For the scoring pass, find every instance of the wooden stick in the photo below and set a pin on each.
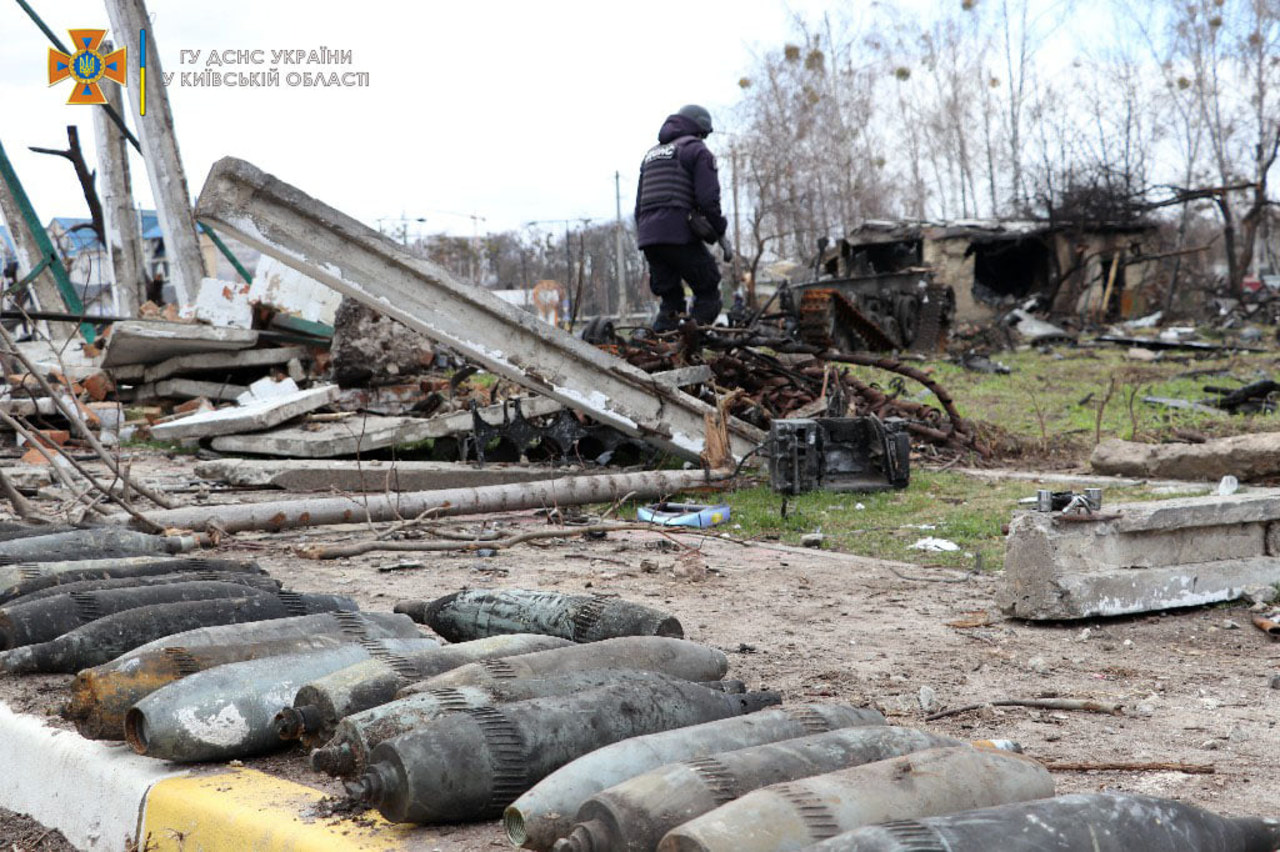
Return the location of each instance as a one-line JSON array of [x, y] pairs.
[[78, 425], [1086, 704], [1187, 768], [21, 505], [341, 551]]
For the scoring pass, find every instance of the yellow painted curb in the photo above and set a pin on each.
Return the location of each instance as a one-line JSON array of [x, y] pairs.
[[245, 810]]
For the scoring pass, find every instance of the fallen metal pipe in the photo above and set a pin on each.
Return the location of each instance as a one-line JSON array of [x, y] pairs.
[[566, 491]]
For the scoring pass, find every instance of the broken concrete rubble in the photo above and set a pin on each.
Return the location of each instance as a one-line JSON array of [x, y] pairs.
[[1138, 557], [363, 434], [1246, 457], [371, 348], [281, 221]]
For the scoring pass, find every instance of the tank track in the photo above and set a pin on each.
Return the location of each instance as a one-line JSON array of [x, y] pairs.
[[821, 308]]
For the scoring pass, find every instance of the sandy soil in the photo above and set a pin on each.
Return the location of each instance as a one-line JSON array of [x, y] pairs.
[[1195, 685]]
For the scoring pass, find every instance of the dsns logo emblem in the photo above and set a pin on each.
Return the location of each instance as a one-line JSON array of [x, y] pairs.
[[87, 67]]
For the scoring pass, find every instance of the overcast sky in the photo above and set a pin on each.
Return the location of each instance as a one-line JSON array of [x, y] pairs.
[[513, 111]]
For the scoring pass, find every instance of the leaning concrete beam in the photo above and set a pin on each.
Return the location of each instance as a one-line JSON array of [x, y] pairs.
[[331, 247], [1157, 555]]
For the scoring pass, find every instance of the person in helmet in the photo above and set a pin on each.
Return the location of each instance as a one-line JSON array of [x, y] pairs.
[[678, 177]]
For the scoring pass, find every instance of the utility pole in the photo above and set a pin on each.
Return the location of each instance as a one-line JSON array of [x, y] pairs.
[[475, 243], [160, 150], [120, 223], [620, 305]]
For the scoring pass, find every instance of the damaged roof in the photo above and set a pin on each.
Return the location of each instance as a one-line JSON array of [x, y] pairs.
[[875, 231]]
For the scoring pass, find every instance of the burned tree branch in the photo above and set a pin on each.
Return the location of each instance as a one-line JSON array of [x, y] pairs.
[[86, 178]]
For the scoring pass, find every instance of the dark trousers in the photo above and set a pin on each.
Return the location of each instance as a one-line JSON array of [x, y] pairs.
[[669, 265]]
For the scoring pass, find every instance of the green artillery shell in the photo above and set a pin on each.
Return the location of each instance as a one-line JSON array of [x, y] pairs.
[[472, 764], [476, 613]]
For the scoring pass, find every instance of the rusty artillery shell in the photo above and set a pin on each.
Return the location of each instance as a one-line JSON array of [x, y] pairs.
[[94, 543], [25, 577], [48, 618], [642, 809], [107, 638], [1098, 822], [319, 705], [676, 657], [476, 613], [347, 752], [226, 712], [545, 814], [795, 814], [471, 764], [101, 696]]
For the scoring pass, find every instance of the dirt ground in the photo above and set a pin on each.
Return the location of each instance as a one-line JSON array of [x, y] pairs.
[[1195, 685], [20, 833]]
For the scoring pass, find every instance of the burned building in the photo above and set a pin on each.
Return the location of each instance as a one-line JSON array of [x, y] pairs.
[[992, 264]]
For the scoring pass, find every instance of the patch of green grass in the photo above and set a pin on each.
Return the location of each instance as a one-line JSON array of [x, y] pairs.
[[966, 510], [1050, 404]]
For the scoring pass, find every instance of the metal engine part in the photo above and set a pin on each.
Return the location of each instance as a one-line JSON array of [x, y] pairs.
[[838, 454]]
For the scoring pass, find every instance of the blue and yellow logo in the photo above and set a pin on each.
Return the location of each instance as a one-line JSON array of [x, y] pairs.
[[87, 67]]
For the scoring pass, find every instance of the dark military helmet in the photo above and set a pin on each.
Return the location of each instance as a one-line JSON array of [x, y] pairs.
[[700, 117]]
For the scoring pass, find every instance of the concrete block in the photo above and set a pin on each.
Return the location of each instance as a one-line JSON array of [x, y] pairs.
[[286, 289], [1156, 555], [136, 342], [313, 475], [1245, 457], [223, 303], [246, 418]]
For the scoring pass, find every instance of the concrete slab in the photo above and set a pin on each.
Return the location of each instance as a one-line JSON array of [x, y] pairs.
[[313, 475], [188, 389], [364, 433], [1156, 555], [136, 342], [244, 359], [246, 418], [320, 440], [268, 388]]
